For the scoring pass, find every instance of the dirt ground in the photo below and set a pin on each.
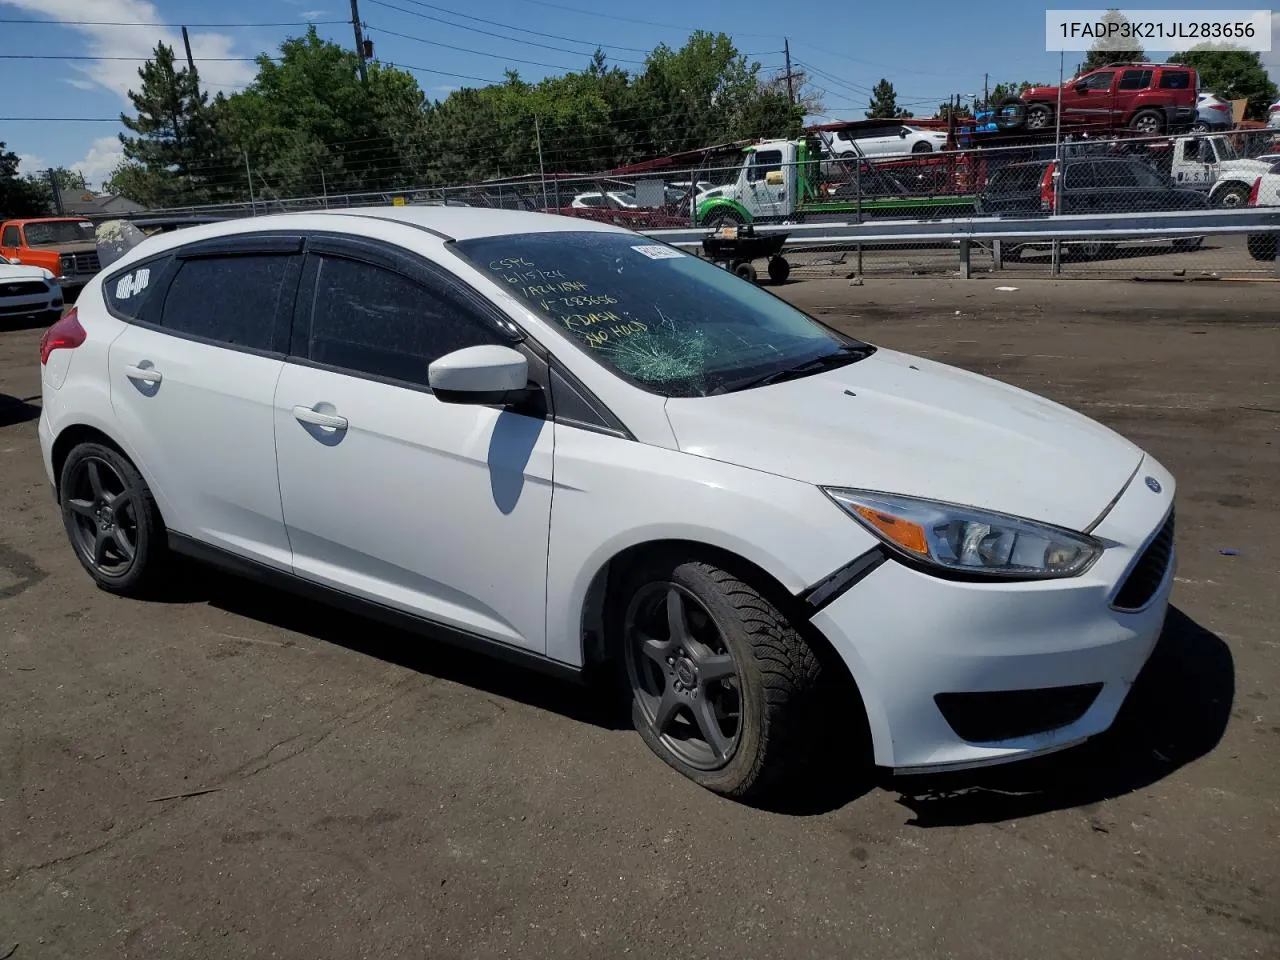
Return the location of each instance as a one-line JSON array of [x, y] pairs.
[[372, 795]]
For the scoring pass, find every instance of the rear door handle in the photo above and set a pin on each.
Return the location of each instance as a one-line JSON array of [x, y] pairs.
[[315, 418], [143, 374]]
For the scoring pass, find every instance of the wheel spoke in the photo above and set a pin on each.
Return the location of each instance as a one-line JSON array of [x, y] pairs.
[[677, 623], [95, 481], [666, 711], [100, 541], [718, 666], [122, 543], [709, 727], [656, 650], [82, 507]]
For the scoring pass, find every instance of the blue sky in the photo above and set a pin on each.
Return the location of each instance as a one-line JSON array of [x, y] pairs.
[[929, 49]]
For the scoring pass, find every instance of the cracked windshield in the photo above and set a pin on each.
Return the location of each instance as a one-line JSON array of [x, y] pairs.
[[668, 322]]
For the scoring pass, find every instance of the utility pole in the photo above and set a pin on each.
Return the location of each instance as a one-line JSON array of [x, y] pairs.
[[986, 92], [56, 190], [786, 52], [355, 25], [186, 42]]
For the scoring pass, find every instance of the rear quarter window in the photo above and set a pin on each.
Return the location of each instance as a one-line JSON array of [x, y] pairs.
[[129, 290], [1016, 179], [1175, 80]]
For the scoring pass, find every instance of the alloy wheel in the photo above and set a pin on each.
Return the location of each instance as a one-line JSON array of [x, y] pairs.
[[104, 512], [683, 678]]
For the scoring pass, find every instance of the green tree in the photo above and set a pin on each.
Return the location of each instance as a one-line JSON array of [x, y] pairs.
[[1114, 48], [1003, 92], [1232, 75], [17, 196], [884, 103], [962, 112], [176, 144], [69, 182]]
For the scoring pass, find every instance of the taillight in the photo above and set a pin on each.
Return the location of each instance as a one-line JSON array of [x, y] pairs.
[[1046, 188], [66, 334], [1220, 107], [1254, 191]]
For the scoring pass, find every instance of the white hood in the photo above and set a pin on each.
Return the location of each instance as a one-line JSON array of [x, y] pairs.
[[900, 424], [18, 271], [1254, 167]]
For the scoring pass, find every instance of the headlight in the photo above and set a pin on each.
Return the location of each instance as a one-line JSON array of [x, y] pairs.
[[67, 263], [968, 541]]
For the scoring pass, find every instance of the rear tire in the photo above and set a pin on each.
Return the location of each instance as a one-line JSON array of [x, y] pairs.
[[723, 688], [112, 521], [779, 270], [1262, 246], [1148, 123], [1039, 116]]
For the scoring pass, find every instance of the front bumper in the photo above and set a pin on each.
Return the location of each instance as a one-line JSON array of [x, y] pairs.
[[917, 645]]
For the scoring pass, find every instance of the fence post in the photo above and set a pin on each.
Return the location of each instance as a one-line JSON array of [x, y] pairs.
[[964, 259], [997, 254], [1056, 267]]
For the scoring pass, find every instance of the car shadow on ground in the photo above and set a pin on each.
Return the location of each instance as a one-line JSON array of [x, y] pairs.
[[14, 410], [248, 598], [1176, 713]]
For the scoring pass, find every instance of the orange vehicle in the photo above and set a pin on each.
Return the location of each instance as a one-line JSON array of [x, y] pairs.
[[65, 246]]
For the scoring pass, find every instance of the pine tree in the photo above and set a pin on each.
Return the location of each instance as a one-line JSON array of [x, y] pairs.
[[177, 147], [884, 103]]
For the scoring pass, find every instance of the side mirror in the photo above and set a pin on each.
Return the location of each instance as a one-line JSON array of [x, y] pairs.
[[902, 134], [773, 178], [480, 375]]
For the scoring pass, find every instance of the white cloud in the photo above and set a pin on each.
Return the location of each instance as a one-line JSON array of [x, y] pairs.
[[109, 41], [79, 84], [30, 163], [102, 158], [313, 14]]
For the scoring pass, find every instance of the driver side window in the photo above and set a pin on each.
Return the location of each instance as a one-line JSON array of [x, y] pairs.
[[764, 162], [1099, 81], [10, 238]]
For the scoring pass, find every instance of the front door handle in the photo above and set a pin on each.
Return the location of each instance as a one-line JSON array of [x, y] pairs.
[[143, 374], [315, 418]]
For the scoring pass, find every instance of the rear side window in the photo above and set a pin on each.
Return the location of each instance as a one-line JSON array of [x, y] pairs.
[[1175, 80], [1116, 174], [10, 238], [1134, 80], [232, 300], [126, 293], [370, 320], [1081, 176]]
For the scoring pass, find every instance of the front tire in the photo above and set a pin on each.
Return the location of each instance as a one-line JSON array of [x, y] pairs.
[[1235, 195], [723, 688], [1262, 246], [111, 520], [723, 218], [922, 147]]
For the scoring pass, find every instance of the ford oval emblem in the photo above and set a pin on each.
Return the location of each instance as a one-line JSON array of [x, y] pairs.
[[1153, 485]]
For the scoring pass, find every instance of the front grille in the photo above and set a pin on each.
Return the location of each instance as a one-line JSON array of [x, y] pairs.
[[18, 310], [86, 262], [1012, 714], [23, 288], [1148, 573]]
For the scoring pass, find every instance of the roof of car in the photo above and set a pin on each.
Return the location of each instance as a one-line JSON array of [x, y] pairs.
[[467, 223]]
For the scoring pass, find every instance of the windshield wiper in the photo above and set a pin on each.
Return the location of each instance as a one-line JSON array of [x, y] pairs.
[[829, 361]]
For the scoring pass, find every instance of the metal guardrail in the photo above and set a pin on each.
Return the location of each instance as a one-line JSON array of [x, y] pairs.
[[1092, 226]]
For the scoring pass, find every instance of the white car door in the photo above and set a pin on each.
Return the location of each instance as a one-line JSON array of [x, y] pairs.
[[436, 509], [881, 141], [762, 198], [192, 382]]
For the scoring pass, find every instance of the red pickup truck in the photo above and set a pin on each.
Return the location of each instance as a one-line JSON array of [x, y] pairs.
[[65, 246], [1150, 98]]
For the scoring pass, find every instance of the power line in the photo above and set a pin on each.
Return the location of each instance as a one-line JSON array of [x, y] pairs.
[[174, 26], [442, 73], [60, 119], [478, 53], [507, 26], [63, 56], [488, 33]]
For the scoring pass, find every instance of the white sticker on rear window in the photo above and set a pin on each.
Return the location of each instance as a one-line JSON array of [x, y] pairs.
[[132, 283], [656, 251]]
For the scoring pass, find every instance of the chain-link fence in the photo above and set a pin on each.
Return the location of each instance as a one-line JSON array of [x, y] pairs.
[[814, 181]]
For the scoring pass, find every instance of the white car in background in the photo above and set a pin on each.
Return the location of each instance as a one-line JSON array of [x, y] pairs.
[[28, 294], [1265, 193], [620, 198], [569, 445], [1273, 116], [1212, 113], [888, 140]]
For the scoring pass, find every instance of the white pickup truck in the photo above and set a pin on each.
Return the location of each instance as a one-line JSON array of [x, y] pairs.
[[1212, 163], [1265, 192]]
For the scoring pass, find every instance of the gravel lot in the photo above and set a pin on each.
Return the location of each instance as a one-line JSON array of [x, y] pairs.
[[371, 795]]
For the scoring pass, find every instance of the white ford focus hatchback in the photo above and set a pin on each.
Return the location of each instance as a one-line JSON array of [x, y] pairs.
[[565, 443]]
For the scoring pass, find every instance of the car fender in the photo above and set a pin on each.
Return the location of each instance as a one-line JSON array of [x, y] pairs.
[[608, 492], [707, 207]]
